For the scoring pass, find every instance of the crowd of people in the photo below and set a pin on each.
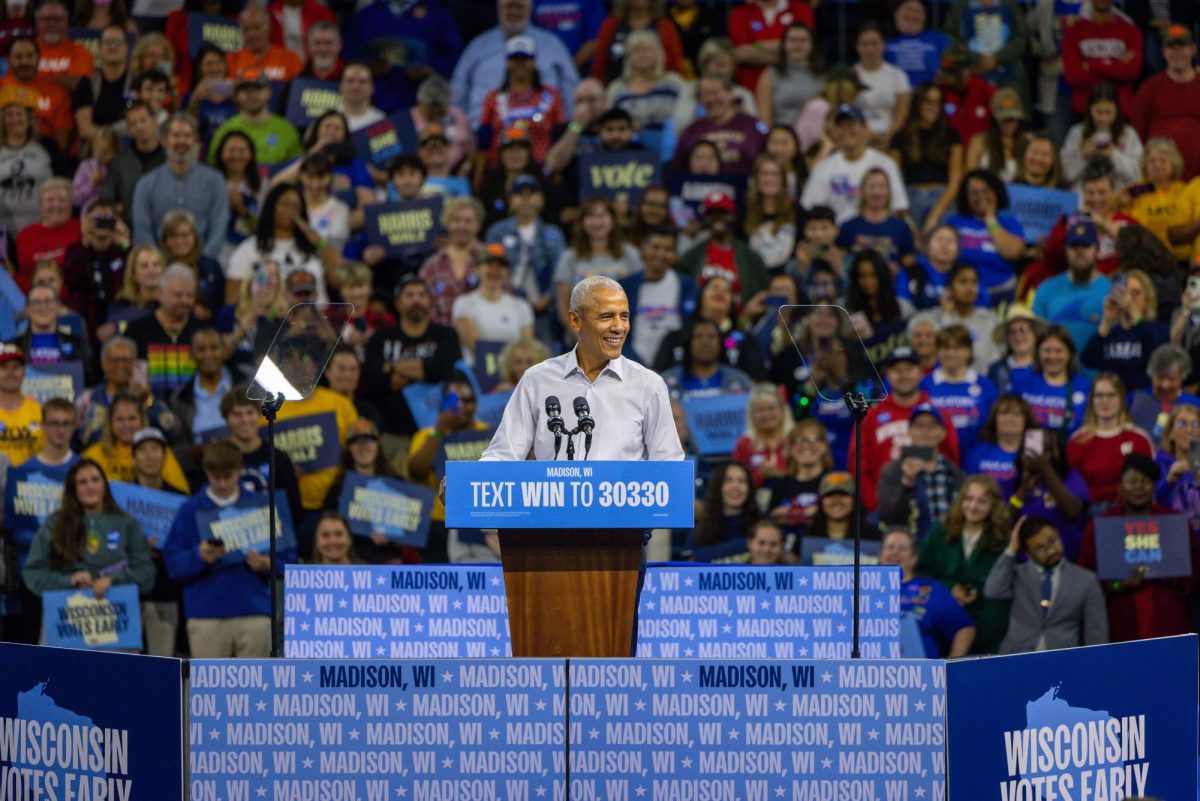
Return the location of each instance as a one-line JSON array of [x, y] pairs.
[[1000, 199]]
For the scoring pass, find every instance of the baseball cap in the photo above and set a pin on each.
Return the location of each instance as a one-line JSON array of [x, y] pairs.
[[515, 136], [520, 47], [901, 354], [1007, 105], [14, 95], [149, 434], [929, 409], [432, 132], [362, 428], [849, 111], [251, 76], [834, 482], [299, 282], [411, 278], [496, 252], [1082, 232], [718, 200], [525, 183], [9, 353], [1178, 34]]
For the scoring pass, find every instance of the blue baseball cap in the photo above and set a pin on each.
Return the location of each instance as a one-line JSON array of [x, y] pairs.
[[1081, 233], [849, 111], [929, 409]]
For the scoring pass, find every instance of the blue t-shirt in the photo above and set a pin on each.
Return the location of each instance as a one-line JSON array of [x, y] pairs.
[[967, 403], [43, 349], [978, 249], [994, 461], [937, 613], [929, 296], [1049, 403], [573, 21], [920, 56], [1004, 374], [892, 238], [1077, 308]]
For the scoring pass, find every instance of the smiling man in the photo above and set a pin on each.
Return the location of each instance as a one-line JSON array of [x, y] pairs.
[[629, 402]]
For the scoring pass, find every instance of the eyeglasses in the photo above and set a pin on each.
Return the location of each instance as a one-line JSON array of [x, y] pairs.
[[57, 423], [1181, 423]]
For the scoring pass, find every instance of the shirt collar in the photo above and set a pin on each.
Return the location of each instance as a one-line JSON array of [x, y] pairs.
[[614, 366]]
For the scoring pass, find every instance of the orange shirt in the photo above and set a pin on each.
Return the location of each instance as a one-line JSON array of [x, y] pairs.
[[54, 105], [278, 63], [64, 58]]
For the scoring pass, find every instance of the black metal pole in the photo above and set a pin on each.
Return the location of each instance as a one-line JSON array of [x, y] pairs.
[[856, 402], [269, 408]]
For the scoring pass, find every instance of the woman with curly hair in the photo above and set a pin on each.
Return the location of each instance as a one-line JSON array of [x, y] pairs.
[[729, 510], [960, 553]]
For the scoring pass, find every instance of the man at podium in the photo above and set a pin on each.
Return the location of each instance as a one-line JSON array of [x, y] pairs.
[[628, 402]]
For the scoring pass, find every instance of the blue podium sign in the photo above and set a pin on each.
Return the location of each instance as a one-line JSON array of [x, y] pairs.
[[563, 494], [1071, 724], [819, 731], [309, 730], [89, 725], [766, 612], [413, 611]]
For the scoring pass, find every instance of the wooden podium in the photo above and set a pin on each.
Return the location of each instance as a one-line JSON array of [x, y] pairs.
[[572, 587]]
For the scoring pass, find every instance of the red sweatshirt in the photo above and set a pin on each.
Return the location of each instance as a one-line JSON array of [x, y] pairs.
[[1166, 107], [1099, 458], [1094, 52], [884, 433]]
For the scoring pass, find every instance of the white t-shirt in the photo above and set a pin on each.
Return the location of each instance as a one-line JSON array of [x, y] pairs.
[[332, 221], [834, 182], [878, 100], [246, 256], [571, 270], [497, 321], [293, 30], [359, 121], [656, 315]]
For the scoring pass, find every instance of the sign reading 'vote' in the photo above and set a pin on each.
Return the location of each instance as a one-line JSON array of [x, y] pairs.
[[617, 176]]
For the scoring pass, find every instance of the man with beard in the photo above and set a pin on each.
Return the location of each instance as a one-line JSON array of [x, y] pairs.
[[275, 139], [1075, 299], [724, 254], [53, 114], [415, 351], [142, 154], [182, 183]]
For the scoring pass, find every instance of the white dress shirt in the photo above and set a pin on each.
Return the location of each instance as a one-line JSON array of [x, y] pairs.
[[628, 402]]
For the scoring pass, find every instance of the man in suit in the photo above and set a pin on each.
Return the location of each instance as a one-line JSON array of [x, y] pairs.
[[1055, 603]]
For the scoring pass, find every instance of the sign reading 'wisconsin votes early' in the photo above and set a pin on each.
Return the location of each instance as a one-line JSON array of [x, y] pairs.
[[411, 611], [404, 228], [77, 619], [398, 510], [766, 612], [245, 526]]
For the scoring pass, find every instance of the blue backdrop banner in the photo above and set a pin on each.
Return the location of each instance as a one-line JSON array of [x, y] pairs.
[[309, 730], [562, 494], [414, 611], [154, 510], [77, 619], [766, 612], [1071, 724], [89, 725]]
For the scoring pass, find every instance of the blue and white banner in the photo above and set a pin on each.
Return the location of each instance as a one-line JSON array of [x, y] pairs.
[[824, 552], [154, 510], [716, 422], [766, 612], [308, 99], [399, 612], [398, 510], [309, 730], [245, 526], [31, 495], [405, 228], [45, 381], [757, 731], [467, 446], [1075, 723], [77, 619], [1038, 208], [570, 495], [312, 441], [89, 725]]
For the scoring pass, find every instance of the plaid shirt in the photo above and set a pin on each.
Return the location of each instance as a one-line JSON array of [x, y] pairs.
[[938, 488]]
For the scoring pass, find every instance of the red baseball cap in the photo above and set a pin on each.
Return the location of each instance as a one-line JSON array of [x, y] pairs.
[[718, 200]]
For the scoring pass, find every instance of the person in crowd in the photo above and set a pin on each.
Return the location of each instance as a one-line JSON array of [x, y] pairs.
[[1055, 603], [792, 80], [332, 541], [1016, 337], [923, 282], [614, 43], [835, 515], [25, 164], [94, 269], [51, 235], [481, 67], [1138, 248], [660, 299], [716, 303], [930, 154], [47, 340], [181, 183], [139, 293], [770, 220], [276, 63], [887, 100], [181, 244], [1104, 133], [242, 418], [960, 554], [66, 553], [1001, 441], [991, 238], [1149, 407], [835, 179], [765, 544], [491, 313], [739, 136], [52, 104], [516, 358], [236, 158], [275, 139], [878, 315], [1138, 607], [794, 495], [724, 254], [197, 403], [286, 32], [1185, 324], [143, 153], [1076, 299], [1038, 163], [1167, 104], [755, 31], [996, 37], [454, 269], [178, 30], [521, 98], [226, 602], [915, 491], [1105, 436], [1128, 332], [701, 372], [20, 414], [1179, 487], [163, 335], [117, 357], [947, 631], [1101, 45], [922, 330], [998, 149], [534, 245], [698, 24], [1159, 203], [729, 510], [99, 99], [1055, 389], [716, 57], [433, 107], [965, 394], [323, 41], [114, 451], [597, 247], [915, 48], [783, 144], [875, 228], [763, 447], [211, 99]]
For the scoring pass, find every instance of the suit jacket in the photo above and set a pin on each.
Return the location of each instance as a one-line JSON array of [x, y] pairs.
[[1077, 615]]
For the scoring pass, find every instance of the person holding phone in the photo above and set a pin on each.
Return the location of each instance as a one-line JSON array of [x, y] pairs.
[[1128, 332], [1179, 459], [947, 631], [1046, 486], [916, 490]]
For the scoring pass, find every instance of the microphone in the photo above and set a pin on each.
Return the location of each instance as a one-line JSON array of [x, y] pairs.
[[586, 424], [554, 421]]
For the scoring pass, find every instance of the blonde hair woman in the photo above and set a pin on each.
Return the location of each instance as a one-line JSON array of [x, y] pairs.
[[1158, 203], [1098, 449], [763, 448], [794, 497], [645, 89]]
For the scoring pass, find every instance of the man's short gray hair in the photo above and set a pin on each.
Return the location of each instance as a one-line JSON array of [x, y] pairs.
[[118, 342], [581, 295], [1167, 359], [180, 271], [179, 116]]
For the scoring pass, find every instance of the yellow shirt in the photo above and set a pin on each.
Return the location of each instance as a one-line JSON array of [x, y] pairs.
[[1160, 209], [1191, 212], [438, 513], [314, 485], [21, 431], [118, 465]]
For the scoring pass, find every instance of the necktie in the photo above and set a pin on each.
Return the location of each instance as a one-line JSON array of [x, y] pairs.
[[1047, 589]]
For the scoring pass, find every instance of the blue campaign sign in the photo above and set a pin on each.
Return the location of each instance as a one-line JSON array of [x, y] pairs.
[[621, 176], [823, 552], [689, 190], [465, 447], [399, 612], [396, 509], [1071, 724], [812, 730], [424, 401], [45, 381], [309, 98], [404, 228], [90, 725], [716, 422], [77, 619], [382, 141], [304, 730], [1160, 543], [766, 612], [487, 363], [490, 408], [569, 494], [215, 30], [1038, 208], [32, 494], [244, 526], [154, 510], [311, 441]]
